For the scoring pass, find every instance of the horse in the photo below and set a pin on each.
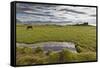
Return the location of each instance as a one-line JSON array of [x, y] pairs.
[[29, 27]]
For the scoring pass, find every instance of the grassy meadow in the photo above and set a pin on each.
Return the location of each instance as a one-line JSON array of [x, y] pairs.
[[84, 38]]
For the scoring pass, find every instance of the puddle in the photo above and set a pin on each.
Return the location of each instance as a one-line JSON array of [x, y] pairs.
[[55, 46]]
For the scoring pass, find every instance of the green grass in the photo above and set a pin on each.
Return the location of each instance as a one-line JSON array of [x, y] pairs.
[[84, 38]]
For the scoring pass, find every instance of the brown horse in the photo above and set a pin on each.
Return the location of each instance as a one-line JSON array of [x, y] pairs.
[[29, 27]]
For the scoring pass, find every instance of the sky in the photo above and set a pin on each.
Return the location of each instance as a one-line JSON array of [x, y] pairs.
[[26, 12]]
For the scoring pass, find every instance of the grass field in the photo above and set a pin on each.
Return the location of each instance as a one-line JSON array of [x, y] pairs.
[[84, 38]]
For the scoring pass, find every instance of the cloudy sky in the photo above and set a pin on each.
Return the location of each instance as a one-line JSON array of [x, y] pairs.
[[26, 12]]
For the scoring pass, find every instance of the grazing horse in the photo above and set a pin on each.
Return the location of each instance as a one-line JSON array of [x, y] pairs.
[[29, 27]]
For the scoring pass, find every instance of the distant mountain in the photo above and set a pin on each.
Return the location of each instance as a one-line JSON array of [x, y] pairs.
[[32, 22]]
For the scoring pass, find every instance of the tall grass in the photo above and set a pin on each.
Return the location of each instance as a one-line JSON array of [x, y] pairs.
[[33, 57]]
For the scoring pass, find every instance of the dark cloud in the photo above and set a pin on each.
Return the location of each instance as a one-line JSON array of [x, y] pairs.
[[37, 14], [25, 9], [93, 15], [54, 13], [74, 11]]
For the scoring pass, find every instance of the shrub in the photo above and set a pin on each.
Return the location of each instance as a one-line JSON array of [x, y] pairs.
[[31, 59], [80, 49], [19, 50], [53, 57], [85, 23], [25, 60], [28, 50], [24, 50], [67, 56], [38, 50], [49, 52]]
